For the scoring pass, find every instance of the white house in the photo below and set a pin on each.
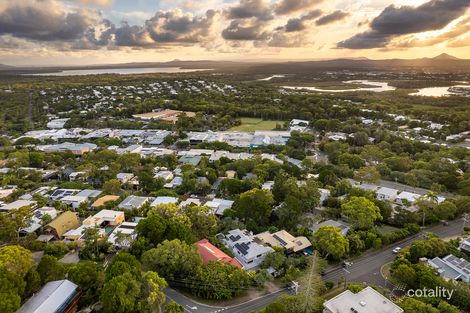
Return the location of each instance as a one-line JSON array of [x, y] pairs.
[[387, 194], [126, 228], [245, 249], [218, 206], [164, 200], [452, 267], [365, 301]]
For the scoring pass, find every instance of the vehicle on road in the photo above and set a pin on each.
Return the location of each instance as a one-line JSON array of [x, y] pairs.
[[396, 250], [347, 264]]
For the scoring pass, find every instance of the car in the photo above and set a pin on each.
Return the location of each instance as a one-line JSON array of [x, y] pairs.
[[396, 250], [347, 264]]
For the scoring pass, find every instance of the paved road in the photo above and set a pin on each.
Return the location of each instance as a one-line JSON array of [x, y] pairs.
[[366, 268], [191, 306]]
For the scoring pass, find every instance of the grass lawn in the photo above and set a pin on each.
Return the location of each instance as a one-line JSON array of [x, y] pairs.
[[250, 124], [387, 229]]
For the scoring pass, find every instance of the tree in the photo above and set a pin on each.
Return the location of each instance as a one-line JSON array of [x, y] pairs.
[[218, 280], [152, 289], [12, 222], [121, 294], [11, 289], [50, 269], [15, 259], [368, 174], [330, 242], [33, 283], [275, 260], [172, 259], [410, 305], [152, 228], [89, 278], [362, 212], [255, 205], [112, 187], [310, 285], [203, 224], [275, 307], [173, 307]]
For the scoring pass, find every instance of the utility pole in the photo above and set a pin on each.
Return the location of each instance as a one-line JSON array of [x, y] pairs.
[[311, 275]]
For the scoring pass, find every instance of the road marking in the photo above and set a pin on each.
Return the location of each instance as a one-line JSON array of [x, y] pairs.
[[191, 307]]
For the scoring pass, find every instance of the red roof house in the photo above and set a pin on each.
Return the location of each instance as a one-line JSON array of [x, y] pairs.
[[209, 252]]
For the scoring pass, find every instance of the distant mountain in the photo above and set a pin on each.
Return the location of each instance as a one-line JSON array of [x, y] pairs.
[[4, 66], [445, 56], [441, 62]]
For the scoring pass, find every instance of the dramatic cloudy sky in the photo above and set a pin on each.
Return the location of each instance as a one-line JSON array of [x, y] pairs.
[[43, 32]]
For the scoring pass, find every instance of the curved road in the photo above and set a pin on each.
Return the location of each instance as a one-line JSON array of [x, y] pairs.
[[365, 269], [192, 306]]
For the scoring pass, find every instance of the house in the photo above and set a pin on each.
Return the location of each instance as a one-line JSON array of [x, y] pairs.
[[74, 201], [387, 194], [368, 300], [133, 202], [165, 175], [18, 204], [128, 229], [164, 200], [57, 123], [452, 267], [218, 206], [191, 201], [37, 219], [60, 296], [246, 250], [75, 176], [101, 201], [268, 185], [465, 246], [406, 198], [190, 159], [61, 224], [324, 195], [210, 253], [124, 178], [6, 191], [175, 182], [100, 220], [61, 193], [75, 148], [282, 239], [344, 228], [105, 218]]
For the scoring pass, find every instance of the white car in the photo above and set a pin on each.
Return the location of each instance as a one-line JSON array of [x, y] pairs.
[[396, 250]]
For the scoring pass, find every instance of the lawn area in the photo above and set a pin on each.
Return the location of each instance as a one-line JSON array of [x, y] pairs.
[[250, 124], [387, 229]]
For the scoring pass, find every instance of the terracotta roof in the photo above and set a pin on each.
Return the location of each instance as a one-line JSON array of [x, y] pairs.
[[209, 252]]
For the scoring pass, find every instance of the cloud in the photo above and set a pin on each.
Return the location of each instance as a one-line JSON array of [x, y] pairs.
[[45, 21], [457, 30], [97, 2], [242, 30], [332, 17], [298, 24], [397, 21], [290, 6], [259, 9]]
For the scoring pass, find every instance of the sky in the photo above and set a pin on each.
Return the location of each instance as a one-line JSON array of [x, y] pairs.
[[80, 32]]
